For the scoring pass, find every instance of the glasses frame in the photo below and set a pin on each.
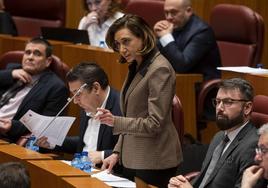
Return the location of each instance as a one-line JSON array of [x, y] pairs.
[[225, 101], [261, 150]]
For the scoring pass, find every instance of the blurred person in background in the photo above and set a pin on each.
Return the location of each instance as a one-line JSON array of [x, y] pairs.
[[7, 25], [100, 14]]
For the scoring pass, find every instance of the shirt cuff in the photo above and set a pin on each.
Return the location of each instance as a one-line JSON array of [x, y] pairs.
[[102, 155], [166, 39]]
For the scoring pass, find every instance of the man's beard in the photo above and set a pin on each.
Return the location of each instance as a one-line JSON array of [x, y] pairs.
[[225, 123]]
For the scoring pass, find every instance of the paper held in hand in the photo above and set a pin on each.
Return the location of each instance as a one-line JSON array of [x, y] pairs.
[[55, 129]]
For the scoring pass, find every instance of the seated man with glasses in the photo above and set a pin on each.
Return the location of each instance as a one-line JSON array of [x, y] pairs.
[[232, 149], [89, 85], [259, 171]]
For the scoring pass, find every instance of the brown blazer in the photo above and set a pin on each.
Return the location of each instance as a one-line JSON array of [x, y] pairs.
[[148, 138]]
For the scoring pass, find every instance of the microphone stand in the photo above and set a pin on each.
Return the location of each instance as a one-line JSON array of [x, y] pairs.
[[68, 102]]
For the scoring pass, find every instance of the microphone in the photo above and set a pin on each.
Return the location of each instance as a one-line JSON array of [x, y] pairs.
[[68, 102]]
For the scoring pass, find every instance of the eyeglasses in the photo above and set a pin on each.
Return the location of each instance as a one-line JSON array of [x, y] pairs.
[[261, 150], [227, 102], [78, 92]]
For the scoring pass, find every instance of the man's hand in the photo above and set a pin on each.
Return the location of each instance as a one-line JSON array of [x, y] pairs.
[[5, 125], [109, 162], [179, 182], [162, 28], [42, 142], [21, 75], [95, 156], [251, 176]]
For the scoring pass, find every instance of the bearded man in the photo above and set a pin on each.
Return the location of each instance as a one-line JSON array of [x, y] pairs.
[[222, 169]]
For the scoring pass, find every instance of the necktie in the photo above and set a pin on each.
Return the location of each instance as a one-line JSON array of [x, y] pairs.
[[215, 157], [11, 92]]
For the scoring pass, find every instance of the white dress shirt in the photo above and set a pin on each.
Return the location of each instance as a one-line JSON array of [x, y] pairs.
[[92, 132]]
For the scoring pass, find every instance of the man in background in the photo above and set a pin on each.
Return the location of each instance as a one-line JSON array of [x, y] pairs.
[[186, 41], [232, 149], [39, 89], [259, 171], [14, 174]]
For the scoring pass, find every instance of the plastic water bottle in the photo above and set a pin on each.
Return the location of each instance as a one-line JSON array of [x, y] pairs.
[[85, 162], [31, 144], [76, 162], [102, 44], [259, 66]]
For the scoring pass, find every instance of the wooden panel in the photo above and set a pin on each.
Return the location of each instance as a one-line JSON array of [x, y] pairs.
[[185, 89], [9, 43], [83, 182], [48, 173], [12, 152]]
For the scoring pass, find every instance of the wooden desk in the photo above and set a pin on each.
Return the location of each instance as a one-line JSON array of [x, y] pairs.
[[185, 90], [83, 182], [48, 173], [3, 142], [259, 82], [9, 43], [13, 152]]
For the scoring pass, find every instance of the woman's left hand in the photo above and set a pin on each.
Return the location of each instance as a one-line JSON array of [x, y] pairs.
[[105, 117]]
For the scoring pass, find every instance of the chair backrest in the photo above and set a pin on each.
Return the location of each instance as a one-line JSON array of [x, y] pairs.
[[177, 117], [259, 115], [57, 66], [150, 10], [239, 33], [30, 16]]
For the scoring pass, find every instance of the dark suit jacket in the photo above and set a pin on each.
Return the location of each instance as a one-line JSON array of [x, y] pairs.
[[238, 156], [194, 50], [106, 139], [47, 97]]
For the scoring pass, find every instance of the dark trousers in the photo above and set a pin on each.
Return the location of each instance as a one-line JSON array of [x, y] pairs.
[[159, 178]]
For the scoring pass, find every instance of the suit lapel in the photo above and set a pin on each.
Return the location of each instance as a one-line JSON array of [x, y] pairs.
[[35, 91], [229, 150]]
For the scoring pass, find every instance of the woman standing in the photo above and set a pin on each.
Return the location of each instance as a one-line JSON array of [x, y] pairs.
[[148, 146]]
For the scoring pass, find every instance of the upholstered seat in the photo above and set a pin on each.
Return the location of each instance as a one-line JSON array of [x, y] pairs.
[[30, 16], [239, 33]]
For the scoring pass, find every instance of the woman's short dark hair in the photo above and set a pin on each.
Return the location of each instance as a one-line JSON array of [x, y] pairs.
[[138, 27], [88, 72]]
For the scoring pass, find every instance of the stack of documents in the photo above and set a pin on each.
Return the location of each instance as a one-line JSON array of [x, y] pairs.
[[113, 180]]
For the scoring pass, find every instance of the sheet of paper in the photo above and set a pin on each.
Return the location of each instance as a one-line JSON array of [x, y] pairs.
[[245, 69], [114, 181], [40, 125]]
